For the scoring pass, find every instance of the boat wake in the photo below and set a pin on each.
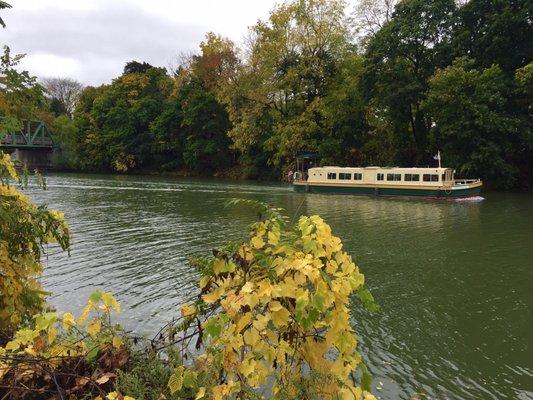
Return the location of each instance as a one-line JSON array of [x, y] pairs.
[[473, 198]]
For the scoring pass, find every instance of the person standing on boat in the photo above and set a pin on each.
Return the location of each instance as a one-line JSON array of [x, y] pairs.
[[290, 175]]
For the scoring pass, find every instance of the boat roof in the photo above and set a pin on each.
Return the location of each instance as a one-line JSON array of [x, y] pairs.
[[330, 167]]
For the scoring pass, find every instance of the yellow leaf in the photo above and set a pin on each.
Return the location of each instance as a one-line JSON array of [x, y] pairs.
[[128, 398], [200, 394], [68, 321], [248, 287], [188, 310], [110, 301], [175, 382], [85, 313], [94, 327], [280, 316], [12, 345], [52, 334], [112, 396], [251, 337], [273, 238], [204, 280], [243, 321], [247, 367], [257, 242], [261, 321], [214, 295], [117, 342]]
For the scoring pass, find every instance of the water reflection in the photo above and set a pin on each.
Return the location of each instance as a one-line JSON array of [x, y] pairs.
[[451, 277]]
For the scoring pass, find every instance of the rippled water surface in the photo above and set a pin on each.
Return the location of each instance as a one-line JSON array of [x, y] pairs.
[[453, 278]]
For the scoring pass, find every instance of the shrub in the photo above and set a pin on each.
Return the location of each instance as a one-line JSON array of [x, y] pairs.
[[24, 229], [273, 316]]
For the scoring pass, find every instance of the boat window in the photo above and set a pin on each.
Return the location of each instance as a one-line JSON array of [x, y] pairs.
[[443, 177], [394, 177], [411, 177], [427, 177], [380, 177], [434, 178], [357, 177], [332, 175], [344, 175]]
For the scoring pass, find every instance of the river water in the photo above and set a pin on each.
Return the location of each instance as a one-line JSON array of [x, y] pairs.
[[453, 278]]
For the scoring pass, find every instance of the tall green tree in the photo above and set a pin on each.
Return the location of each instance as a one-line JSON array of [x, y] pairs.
[[472, 126], [204, 125], [495, 32], [400, 58], [120, 118]]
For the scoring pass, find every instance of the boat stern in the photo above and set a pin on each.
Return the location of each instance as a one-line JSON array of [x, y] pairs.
[[463, 188]]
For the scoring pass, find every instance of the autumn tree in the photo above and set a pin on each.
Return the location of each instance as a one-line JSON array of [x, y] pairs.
[[276, 104]]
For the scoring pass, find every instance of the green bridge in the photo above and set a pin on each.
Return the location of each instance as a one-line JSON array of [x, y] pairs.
[[32, 145]]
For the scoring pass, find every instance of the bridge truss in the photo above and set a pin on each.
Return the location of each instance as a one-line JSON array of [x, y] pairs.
[[34, 135]]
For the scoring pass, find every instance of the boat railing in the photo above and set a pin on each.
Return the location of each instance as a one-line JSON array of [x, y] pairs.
[[466, 181], [299, 177]]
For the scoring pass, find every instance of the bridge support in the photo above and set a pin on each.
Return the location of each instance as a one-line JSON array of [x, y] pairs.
[[40, 159]]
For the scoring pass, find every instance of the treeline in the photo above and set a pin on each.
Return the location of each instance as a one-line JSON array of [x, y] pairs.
[[388, 84]]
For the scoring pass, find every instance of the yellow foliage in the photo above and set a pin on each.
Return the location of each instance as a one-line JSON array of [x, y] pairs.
[[51, 337], [284, 309], [24, 228]]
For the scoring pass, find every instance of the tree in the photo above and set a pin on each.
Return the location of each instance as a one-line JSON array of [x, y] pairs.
[[276, 103], [120, 116], [3, 6], [370, 16], [21, 97], [495, 32], [217, 62], [64, 94], [472, 126], [400, 58], [204, 126], [135, 67]]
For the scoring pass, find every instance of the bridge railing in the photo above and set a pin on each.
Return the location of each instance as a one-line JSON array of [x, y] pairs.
[[15, 139], [34, 134]]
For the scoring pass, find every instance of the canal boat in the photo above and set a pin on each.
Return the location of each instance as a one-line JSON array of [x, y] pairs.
[[386, 181]]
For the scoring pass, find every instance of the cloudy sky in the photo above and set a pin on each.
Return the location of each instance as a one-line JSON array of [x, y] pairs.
[[91, 40]]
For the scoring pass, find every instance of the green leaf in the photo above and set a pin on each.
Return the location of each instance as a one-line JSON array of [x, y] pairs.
[[366, 378], [190, 379], [43, 321], [213, 327], [367, 300], [93, 352], [95, 297]]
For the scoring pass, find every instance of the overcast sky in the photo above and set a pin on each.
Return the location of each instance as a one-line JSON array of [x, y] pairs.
[[91, 40]]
